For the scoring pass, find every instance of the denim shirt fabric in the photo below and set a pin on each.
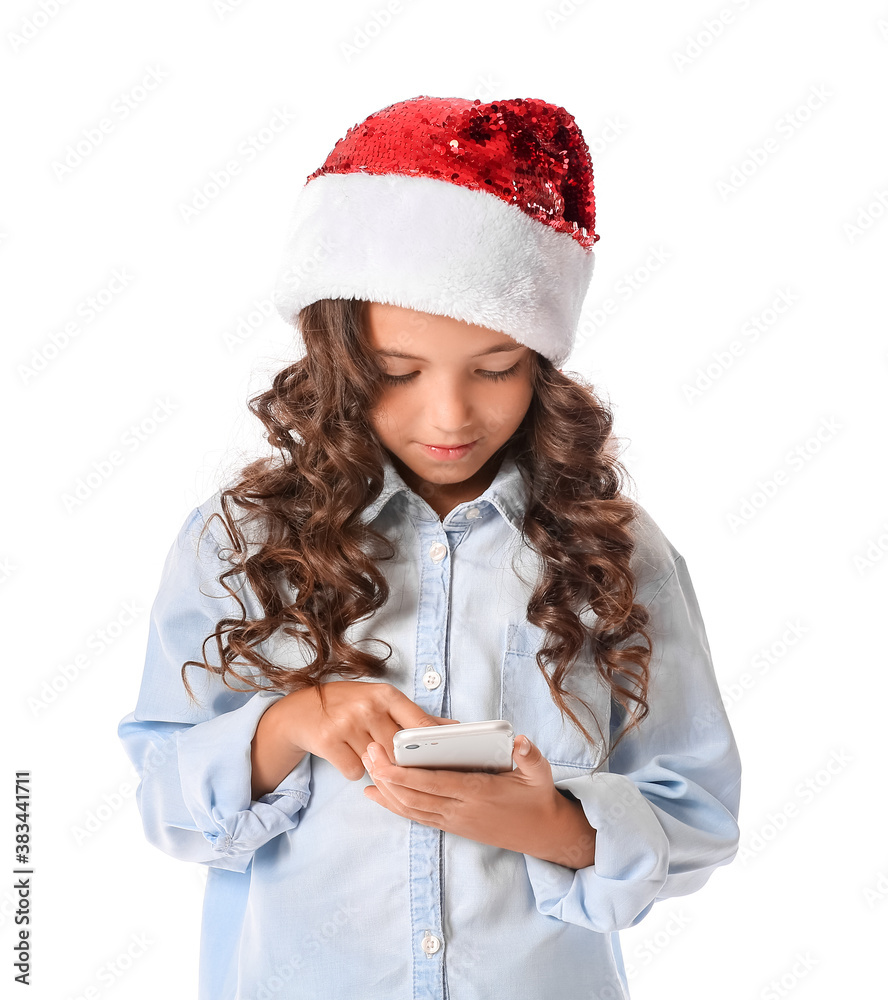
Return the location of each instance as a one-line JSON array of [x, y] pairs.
[[315, 891]]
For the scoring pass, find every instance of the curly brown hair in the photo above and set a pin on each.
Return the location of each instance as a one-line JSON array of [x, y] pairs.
[[307, 500]]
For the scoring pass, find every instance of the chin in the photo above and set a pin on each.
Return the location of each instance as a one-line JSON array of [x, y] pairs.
[[434, 473]]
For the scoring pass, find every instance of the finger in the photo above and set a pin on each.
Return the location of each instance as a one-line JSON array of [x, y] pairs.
[[382, 735], [378, 793], [407, 713], [408, 802], [391, 795], [383, 797], [347, 758], [530, 759], [387, 736], [431, 783]]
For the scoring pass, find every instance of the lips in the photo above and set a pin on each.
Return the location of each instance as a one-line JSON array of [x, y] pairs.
[[448, 453]]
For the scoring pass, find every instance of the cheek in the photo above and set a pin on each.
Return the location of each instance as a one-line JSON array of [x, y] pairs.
[[395, 417], [384, 416], [507, 409]]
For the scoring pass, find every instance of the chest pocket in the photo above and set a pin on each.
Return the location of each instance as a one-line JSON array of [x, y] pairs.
[[528, 704]]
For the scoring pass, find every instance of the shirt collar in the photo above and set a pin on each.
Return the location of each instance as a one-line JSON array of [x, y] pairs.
[[507, 493]]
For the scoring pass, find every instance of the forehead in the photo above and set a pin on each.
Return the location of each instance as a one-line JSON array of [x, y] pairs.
[[396, 332], [483, 353]]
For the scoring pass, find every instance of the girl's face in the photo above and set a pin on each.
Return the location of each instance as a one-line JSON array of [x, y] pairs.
[[454, 389]]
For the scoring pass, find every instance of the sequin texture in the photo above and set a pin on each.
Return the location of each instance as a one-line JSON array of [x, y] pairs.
[[524, 151]]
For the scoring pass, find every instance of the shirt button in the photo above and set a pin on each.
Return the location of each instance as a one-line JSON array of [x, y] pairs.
[[430, 944], [437, 552], [472, 513], [431, 679]]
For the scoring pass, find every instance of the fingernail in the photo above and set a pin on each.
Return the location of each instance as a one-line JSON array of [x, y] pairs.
[[372, 752], [525, 746]]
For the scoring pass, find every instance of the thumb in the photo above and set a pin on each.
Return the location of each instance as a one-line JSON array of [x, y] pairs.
[[529, 758]]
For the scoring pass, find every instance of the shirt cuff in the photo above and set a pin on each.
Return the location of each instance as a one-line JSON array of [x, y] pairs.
[[631, 859], [216, 775]]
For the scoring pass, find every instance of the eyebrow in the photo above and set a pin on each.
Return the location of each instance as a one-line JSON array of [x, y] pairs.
[[499, 348]]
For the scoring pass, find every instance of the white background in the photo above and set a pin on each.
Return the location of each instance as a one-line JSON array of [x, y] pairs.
[[740, 164]]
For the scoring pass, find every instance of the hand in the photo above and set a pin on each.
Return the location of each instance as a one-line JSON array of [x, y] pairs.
[[356, 713], [518, 810]]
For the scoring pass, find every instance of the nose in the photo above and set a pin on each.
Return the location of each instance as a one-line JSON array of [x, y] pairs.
[[449, 410]]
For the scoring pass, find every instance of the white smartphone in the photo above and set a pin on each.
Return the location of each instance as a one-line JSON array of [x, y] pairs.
[[461, 746]]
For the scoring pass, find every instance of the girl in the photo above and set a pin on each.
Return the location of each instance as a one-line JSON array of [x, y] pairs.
[[442, 535]]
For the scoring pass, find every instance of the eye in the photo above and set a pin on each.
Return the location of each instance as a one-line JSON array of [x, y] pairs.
[[494, 376], [508, 373]]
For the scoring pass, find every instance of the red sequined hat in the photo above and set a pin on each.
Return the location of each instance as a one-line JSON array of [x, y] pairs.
[[481, 212]]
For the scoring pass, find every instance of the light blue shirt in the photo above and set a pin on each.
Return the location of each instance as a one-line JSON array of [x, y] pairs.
[[315, 891]]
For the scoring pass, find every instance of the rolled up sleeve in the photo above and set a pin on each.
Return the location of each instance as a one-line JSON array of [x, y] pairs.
[[665, 812], [193, 761]]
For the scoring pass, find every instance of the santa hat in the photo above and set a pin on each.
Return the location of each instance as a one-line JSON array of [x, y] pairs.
[[481, 212]]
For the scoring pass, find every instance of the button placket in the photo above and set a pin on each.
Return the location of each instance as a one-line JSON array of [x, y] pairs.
[[437, 551], [426, 876], [432, 677], [430, 944]]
